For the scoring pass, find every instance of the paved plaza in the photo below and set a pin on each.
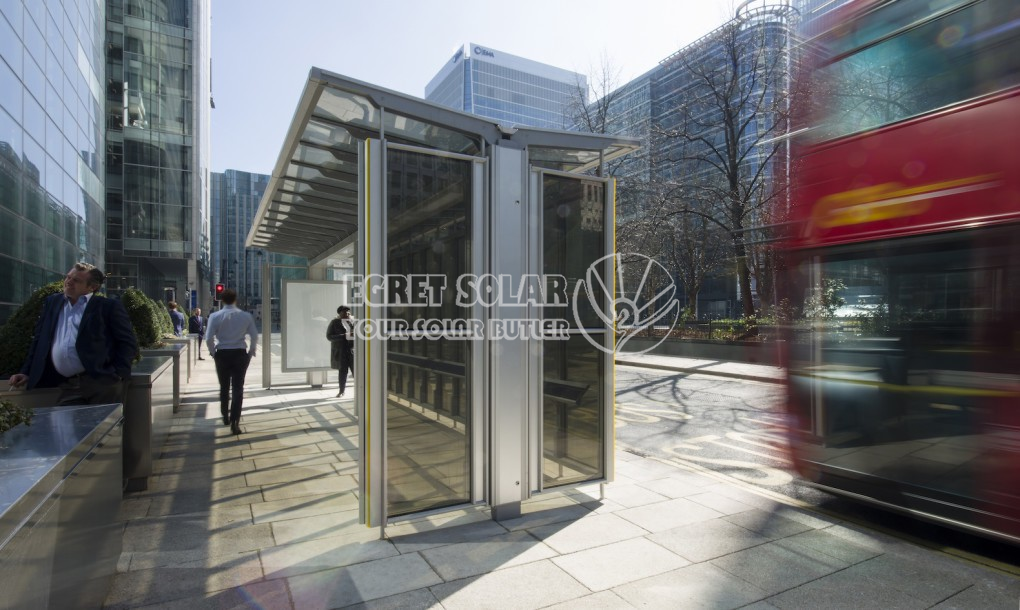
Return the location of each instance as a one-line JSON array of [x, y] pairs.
[[269, 519]]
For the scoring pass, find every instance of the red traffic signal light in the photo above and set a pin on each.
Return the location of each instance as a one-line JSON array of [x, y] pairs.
[[219, 290]]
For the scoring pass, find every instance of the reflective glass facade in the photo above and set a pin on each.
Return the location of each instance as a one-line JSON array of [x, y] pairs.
[[157, 103], [676, 96], [509, 89], [51, 142]]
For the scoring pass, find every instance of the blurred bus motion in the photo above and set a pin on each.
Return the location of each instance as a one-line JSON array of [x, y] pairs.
[[904, 255]]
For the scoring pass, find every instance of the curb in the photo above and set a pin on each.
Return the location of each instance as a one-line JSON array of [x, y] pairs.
[[698, 371]]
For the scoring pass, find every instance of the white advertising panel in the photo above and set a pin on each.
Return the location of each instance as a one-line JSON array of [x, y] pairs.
[[307, 308]]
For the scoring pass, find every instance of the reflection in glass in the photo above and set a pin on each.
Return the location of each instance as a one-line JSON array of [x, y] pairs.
[[428, 416], [910, 374], [572, 405], [574, 238], [572, 439], [428, 422]]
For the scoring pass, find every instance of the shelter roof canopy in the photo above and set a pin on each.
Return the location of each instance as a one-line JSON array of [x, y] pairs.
[[316, 174]]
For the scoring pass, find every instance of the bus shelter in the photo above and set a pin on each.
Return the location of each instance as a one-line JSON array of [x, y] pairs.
[[482, 292]]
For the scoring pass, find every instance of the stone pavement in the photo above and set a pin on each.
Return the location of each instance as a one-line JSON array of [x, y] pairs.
[[269, 519]]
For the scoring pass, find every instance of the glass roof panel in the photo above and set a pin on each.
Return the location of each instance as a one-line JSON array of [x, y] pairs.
[[328, 159], [563, 159], [429, 135], [318, 175], [348, 108], [328, 135]]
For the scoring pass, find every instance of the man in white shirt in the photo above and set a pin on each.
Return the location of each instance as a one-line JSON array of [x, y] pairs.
[[225, 337]]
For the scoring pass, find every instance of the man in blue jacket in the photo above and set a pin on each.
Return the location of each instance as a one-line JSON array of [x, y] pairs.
[[83, 343], [177, 318]]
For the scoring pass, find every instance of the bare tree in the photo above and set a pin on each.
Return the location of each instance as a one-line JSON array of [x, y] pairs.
[[695, 249], [595, 117], [721, 143]]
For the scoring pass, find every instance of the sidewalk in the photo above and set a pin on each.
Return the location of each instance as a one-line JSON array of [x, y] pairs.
[[269, 520], [698, 366]]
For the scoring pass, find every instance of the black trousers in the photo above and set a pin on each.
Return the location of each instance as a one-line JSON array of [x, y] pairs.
[[346, 364], [231, 367]]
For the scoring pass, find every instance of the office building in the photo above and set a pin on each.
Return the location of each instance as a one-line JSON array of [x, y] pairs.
[[679, 116], [508, 89], [157, 104], [234, 199], [52, 142]]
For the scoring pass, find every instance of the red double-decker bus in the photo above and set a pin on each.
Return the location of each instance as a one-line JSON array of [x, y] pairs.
[[904, 257]]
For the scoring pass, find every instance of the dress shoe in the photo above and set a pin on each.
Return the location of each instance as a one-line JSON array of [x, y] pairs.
[[235, 428], [226, 420], [339, 394], [201, 358]]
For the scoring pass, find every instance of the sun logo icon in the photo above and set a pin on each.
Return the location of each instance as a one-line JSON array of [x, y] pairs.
[[644, 299]]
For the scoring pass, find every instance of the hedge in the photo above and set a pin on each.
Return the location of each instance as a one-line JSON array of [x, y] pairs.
[[16, 333], [151, 322]]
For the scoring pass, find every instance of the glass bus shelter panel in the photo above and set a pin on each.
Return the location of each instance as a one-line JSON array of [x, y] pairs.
[[428, 414], [572, 421], [573, 404], [427, 425]]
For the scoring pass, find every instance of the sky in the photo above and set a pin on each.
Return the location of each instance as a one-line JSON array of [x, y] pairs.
[[262, 50]]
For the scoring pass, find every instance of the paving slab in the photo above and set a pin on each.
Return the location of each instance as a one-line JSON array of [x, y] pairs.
[[269, 519]]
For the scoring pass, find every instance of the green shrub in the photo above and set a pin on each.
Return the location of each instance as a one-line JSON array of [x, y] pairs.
[[16, 333], [166, 325], [144, 318], [11, 415]]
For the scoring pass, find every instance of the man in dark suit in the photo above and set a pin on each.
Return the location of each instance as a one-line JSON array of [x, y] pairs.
[[177, 318], [83, 343], [196, 324]]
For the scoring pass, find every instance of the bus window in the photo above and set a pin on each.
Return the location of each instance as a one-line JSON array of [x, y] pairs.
[[960, 55]]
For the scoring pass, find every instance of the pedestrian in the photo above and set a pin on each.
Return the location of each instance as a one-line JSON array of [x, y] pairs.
[[196, 325], [177, 318], [340, 333], [225, 338], [83, 344]]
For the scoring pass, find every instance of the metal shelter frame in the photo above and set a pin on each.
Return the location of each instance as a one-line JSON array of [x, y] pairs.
[[329, 190]]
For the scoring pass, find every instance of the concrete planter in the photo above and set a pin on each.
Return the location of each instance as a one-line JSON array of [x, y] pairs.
[[756, 352], [179, 352], [60, 495], [191, 361], [147, 418], [148, 413]]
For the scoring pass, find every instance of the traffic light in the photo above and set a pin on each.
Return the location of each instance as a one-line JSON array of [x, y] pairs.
[[219, 291]]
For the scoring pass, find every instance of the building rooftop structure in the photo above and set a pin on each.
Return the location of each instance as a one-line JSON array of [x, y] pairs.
[[509, 89]]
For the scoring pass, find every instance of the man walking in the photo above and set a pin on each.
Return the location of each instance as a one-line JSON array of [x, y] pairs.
[[226, 334], [83, 343], [196, 325], [177, 318]]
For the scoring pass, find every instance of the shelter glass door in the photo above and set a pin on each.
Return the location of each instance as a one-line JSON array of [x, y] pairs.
[[429, 219], [575, 241]]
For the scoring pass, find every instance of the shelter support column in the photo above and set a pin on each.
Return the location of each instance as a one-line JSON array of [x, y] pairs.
[[317, 379], [509, 377]]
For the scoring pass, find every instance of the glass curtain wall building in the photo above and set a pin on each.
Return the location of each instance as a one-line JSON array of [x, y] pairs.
[[506, 88], [235, 197], [674, 97], [51, 142], [157, 103]]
